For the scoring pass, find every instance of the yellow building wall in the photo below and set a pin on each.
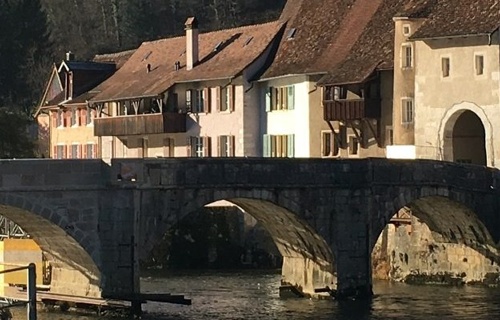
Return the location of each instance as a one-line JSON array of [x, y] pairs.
[[15, 253]]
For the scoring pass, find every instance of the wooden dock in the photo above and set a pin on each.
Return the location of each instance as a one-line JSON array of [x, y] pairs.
[[64, 302]]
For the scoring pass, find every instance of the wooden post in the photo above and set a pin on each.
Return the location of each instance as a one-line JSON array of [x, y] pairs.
[[31, 288]]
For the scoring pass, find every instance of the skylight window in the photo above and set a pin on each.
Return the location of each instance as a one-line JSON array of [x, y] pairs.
[[248, 41], [291, 34], [218, 45], [147, 55]]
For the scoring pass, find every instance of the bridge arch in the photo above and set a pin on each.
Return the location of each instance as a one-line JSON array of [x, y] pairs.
[[302, 240], [73, 270], [469, 119], [454, 220]]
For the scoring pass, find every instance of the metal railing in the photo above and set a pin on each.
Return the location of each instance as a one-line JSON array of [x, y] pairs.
[[30, 290]]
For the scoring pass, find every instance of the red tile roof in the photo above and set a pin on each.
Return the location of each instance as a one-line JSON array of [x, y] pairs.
[[316, 24], [450, 18], [238, 48]]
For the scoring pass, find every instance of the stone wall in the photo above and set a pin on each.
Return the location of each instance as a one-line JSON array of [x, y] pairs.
[[414, 254]]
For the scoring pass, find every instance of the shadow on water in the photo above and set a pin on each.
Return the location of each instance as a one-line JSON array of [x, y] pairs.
[[253, 295]]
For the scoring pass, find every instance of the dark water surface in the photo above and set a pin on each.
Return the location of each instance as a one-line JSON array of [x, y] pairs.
[[254, 295]]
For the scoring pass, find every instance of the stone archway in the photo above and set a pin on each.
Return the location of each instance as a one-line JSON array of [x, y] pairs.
[[466, 135], [308, 261]]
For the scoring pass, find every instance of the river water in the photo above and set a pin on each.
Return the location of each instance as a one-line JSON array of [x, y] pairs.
[[253, 295]]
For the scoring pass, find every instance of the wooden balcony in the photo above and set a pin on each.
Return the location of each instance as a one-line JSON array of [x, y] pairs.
[[153, 123], [351, 109]]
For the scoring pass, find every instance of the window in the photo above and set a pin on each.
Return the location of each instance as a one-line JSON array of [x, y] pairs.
[[280, 98], [334, 93], [445, 67], [353, 146], [226, 146], [199, 147], [479, 62], [291, 33], [406, 30], [407, 58], [329, 144], [407, 111], [225, 98], [60, 152], [90, 151], [90, 116], [279, 146], [74, 117], [74, 151], [198, 100], [168, 147]]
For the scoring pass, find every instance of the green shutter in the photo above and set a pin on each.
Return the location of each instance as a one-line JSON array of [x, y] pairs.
[[268, 98], [266, 145], [291, 97], [291, 146]]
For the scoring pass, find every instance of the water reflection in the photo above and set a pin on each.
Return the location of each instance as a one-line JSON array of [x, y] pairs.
[[254, 295]]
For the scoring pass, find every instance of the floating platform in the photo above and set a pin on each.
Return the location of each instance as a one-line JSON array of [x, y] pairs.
[[64, 302]]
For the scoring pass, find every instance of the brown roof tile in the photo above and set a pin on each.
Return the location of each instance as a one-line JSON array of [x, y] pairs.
[[316, 24], [239, 48], [373, 47], [460, 17]]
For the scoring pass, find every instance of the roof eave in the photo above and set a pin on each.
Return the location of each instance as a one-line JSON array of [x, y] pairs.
[[91, 101], [452, 36], [289, 75]]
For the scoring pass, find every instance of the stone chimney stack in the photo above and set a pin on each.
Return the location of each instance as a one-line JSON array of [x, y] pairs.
[[70, 56], [191, 42]]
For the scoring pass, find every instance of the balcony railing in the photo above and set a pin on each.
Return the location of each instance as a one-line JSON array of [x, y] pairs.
[[351, 109], [153, 123]]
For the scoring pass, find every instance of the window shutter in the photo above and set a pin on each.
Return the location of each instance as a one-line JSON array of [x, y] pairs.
[[268, 99], [206, 100], [54, 152], [230, 90], [189, 146], [207, 147], [232, 152], [80, 151], [220, 144], [291, 97], [218, 101], [266, 145], [189, 100], [291, 146], [84, 151], [83, 114]]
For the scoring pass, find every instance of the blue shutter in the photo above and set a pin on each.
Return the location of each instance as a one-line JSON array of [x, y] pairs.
[[291, 97], [291, 146], [269, 91], [266, 145]]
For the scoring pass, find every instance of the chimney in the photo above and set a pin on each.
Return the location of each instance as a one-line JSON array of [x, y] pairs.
[[191, 42], [70, 56]]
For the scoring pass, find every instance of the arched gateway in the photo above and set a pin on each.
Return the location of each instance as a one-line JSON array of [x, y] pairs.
[[324, 215]]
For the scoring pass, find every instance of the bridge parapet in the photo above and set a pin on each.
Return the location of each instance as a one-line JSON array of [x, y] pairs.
[[48, 174]]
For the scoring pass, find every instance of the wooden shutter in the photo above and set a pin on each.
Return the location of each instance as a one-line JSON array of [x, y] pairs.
[[232, 145], [189, 146], [206, 100], [291, 97], [54, 152], [207, 147], [218, 100], [230, 92], [266, 145], [220, 143], [291, 146], [269, 96], [84, 151], [83, 115]]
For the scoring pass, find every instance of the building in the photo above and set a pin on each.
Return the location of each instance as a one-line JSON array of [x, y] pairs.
[[328, 92], [186, 96], [449, 95], [64, 117]]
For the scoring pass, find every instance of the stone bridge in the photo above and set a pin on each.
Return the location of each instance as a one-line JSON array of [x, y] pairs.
[[96, 221]]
